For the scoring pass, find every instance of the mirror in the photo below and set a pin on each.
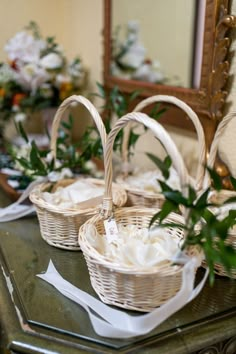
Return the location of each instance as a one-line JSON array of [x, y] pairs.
[[207, 24], [138, 49]]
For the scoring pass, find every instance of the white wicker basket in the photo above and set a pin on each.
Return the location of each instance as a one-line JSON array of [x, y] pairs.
[[123, 286], [220, 196], [138, 196], [59, 226]]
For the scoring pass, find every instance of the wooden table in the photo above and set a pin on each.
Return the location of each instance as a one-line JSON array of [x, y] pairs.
[[35, 318]]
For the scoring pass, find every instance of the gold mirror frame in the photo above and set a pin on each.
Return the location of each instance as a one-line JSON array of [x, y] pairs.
[[207, 101]]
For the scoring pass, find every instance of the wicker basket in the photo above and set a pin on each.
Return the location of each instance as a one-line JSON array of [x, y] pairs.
[[120, 285], [220, 196], [59, 226], [138, 196]]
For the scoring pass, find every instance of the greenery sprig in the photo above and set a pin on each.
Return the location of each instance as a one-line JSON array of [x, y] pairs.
[[205, 225], [117, 104], [73, 156]]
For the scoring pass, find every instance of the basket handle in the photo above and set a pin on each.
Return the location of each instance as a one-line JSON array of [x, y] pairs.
[[61, 111], [191, 114], [215, 143], [160, 133]]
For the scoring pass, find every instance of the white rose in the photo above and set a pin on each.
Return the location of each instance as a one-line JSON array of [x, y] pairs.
[[24, 47], [31, 76], [135, 56], [51, 61], [20, 117], [6, 73]]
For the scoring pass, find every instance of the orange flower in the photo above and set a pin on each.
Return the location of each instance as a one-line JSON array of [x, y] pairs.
[[2, 92], [65, 90], [17, 98]]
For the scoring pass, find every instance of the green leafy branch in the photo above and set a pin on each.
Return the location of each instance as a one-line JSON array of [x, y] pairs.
[[204, 226], [118, 104], [68, 153]]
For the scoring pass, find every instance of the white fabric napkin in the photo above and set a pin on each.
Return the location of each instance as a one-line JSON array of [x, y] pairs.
[[17, 210], [114, 323]]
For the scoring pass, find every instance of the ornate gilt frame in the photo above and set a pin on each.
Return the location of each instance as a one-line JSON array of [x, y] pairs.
[[208, 101]]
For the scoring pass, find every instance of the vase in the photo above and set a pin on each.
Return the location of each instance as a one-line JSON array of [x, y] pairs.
[[36, 126]]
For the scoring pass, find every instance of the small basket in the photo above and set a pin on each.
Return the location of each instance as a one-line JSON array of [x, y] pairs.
[[59, 226], [136, 196], [224, 194], [123, 286]]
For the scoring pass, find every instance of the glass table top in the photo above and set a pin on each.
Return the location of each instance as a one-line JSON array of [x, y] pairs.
[[24, 254]]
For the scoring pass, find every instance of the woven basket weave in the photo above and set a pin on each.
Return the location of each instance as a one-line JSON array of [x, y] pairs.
[[150, 199], [220, 196], [59, 226], [123, 286]]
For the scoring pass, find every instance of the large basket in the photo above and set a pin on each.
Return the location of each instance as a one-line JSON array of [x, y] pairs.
[[220, 196], [123, 286], [138, 196], [59, 226]]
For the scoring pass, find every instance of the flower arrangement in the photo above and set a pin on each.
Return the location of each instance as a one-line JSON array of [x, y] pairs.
[[26, 163], [129, 58], [37, 74], [131, 61]]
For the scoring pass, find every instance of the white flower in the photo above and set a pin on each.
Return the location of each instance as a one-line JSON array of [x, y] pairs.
[[49, 157], [6, 73], [25, 47], [75, 69], [15, 108], [61, 79], [135, 56], [51, 61], [31, 77], [133, 26], [46, 90], [20, 117], [55, 176], [146, 72]]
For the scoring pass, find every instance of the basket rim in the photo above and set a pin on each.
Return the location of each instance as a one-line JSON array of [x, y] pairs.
[[146, 194], [95, 257], [37, 199]]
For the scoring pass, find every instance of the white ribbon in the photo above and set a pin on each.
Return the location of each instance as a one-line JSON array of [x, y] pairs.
[[118, 324], [17, 210]]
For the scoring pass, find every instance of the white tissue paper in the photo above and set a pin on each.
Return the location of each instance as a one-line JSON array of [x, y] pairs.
[[147, 181], [77, 192], [135, 247]]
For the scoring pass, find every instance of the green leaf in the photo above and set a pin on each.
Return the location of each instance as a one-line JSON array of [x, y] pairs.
[[101, 90], [24, 162], [66, 125], [163, 166], [164, 187], [229, 200], [215, 178], [36, 161], [22, 132], [134, 95], [233, 181], [166, 209], [192, 195], [176, 197], [155, 113], [133, 138], [202, 201]]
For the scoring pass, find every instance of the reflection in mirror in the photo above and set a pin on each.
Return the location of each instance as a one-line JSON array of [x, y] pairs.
[[154, 41]]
